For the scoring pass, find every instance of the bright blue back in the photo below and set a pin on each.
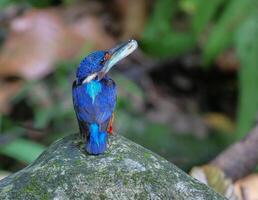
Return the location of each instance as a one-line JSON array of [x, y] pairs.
[[103, 106]]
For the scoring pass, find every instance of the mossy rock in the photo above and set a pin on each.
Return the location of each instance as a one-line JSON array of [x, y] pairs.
[[125, 171]]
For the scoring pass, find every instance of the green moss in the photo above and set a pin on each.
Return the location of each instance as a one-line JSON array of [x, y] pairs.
[[33, 190], [147, 155], [125, 171]]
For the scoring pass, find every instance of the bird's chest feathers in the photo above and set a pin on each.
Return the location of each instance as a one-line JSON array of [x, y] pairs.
[[93, 88]]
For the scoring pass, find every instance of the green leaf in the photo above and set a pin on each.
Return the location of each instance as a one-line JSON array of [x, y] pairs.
[[222, 34], [247, 50], [23, 150], [4, 3], [160, 21], [174, 43], [34, 3], [159, 39], [188, 6], [204, 13]]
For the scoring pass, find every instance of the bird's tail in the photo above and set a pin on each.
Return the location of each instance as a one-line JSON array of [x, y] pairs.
[[97, 142]]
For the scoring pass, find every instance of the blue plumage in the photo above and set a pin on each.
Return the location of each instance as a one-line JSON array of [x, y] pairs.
[[90, 64], [94, 95], [97, 142], [93, 88], [94, 103], [101, 108]]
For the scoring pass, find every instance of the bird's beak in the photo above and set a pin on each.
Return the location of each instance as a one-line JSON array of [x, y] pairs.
[[116, 54]]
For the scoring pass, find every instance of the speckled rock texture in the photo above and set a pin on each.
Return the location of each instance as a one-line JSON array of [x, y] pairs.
[[125, 171]]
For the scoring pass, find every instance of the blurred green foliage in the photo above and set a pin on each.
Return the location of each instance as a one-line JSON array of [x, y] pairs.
[[23, 150], [203, 13], [225, 24], [159, 37], [223, 32]]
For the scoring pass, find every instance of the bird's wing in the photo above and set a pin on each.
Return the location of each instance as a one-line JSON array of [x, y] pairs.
[[98, 112], [105, 102], [83, 126]]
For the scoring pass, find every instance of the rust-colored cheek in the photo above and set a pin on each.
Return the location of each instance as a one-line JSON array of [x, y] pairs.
[[107, 56]]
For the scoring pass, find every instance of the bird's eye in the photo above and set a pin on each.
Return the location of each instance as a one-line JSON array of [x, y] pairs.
[[106, 57]]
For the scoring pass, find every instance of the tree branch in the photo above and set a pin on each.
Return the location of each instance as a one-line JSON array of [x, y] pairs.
[[240, 158]]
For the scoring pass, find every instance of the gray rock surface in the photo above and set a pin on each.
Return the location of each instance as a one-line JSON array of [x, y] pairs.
[[125, 171]]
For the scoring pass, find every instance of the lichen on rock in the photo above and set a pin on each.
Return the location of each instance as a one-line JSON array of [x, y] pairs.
[[125, 171]]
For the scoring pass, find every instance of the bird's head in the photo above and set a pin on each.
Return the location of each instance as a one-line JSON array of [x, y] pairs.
[[97, 64]]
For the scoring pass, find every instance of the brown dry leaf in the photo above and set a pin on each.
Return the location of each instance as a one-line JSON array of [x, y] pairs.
[[7, 90], [36, 41], [247, 188], [88, 20], [40, 38], [215, 178]]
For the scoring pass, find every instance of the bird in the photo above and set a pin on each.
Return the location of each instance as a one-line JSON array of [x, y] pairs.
[[94, 95]]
